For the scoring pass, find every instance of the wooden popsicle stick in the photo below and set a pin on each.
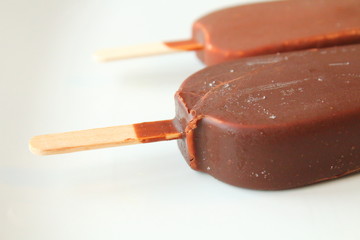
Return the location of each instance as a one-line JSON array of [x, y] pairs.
[[103, 137], [149, 49]]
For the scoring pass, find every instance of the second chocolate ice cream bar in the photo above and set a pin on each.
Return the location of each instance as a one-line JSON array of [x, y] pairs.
[[279, 26], [261, 28]]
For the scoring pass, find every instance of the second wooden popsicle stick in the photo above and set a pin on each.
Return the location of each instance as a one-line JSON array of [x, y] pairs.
[[149, 49], [104, 137]]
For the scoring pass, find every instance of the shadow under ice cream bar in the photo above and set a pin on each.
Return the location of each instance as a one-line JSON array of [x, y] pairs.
[[258, 29], [268, 122]]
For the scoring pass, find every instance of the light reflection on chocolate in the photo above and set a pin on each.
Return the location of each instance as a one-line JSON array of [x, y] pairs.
[[265, 124], [279, 26]]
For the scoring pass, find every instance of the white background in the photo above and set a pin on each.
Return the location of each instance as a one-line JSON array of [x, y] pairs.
[[50, 83]]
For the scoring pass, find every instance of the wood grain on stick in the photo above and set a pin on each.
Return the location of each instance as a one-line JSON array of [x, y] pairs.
[[103, 137], [149, 49]]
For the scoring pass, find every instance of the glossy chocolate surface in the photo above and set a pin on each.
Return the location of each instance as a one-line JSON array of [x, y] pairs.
[[274, 122], [280, 26]]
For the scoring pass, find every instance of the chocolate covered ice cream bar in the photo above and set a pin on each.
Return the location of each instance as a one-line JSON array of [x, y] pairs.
[[260, 28], [268, 122]]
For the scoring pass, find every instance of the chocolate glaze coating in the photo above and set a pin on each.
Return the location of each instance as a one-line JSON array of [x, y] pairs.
[[270, 27], [274, 122]]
